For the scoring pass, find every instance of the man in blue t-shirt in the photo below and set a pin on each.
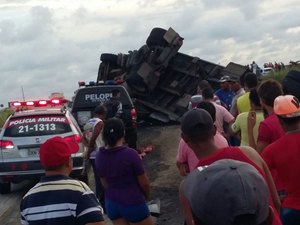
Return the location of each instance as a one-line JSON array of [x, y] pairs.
[[225, 94]]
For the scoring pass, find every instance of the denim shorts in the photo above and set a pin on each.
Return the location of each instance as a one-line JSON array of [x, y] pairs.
[[132, 213], [290, 216]]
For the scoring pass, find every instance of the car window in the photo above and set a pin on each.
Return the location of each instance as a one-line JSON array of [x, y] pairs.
[[37, 126], [83, 117]]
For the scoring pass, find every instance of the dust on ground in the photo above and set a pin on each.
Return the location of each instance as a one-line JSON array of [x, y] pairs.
[[160, 166]]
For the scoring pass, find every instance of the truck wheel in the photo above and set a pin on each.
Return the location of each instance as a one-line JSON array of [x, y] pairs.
[[5, 188], [141, 55], [109, 58], [156, 38]]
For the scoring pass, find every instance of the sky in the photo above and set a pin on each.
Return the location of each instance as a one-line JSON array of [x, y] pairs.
[[49, 45]]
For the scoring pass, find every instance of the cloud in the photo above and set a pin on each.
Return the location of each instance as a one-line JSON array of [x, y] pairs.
[[49, 46], [40, 25], [41, 60]]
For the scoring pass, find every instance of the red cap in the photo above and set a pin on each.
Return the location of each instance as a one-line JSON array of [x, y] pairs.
[[56, 151]]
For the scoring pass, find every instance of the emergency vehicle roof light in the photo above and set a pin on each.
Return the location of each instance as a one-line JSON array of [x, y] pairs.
[[24, 105], [42, 102], [55, 101], [29, 103], [15, 104], [81, 83], [92, 83]]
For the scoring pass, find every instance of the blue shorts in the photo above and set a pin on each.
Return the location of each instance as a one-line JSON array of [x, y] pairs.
[[132, 213], [290, 216]]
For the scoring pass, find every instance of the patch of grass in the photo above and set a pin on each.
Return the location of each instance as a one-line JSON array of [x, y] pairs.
[[279, 75], [4, 114]]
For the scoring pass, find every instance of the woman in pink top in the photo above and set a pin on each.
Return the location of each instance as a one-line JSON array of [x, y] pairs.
[[186, 158]]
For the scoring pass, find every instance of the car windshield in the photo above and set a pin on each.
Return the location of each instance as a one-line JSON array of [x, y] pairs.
[[37, 126]]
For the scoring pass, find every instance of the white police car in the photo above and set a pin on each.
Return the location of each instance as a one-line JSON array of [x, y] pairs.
[[25, 130], [266, 71]]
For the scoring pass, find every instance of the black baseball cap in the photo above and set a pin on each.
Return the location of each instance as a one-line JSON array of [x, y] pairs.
[[226, 189], [197, 121]]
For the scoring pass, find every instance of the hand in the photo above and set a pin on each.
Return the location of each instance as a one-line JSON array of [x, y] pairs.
[[88, 152], [251, 120], [184, 169]]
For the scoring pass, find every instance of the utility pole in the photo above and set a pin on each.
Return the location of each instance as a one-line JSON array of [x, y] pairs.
[[23, 95]]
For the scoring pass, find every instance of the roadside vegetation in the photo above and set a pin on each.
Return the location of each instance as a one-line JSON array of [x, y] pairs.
[[279, 75], [4, 114]]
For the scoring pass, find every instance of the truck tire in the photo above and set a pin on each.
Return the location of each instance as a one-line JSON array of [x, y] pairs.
[[156, 37], [109, 58], [5, 188], [141, 55]]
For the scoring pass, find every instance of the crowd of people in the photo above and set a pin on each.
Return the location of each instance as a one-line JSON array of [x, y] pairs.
[[264, 133], [276, 66], [238, 155]]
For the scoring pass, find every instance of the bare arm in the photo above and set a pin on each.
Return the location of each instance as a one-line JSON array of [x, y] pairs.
[[84, 139], [96, 133], [229, 119], [187, 211], [251, 121], [261, 146], [272, 187], [145, 184], [104, 182], [183, 168], [258, 160]]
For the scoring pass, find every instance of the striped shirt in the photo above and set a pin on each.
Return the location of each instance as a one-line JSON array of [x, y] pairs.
[[60, 200]]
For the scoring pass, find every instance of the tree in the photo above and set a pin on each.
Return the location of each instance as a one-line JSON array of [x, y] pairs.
[[4, 114]]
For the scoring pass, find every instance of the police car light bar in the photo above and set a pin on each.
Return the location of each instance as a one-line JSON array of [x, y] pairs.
[[81, 83], [29, 103], [38, 103]]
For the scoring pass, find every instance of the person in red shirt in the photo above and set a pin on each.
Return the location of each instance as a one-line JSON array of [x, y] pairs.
[[283, 156], [198, 132], [244, 194], [269, 129]]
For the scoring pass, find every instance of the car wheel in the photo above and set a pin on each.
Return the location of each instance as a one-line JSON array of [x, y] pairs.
[[156, 37], [5, 188], [109, 58]]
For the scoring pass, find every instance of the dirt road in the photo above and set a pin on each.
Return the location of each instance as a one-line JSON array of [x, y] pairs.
[[162, 171], [160, 167]]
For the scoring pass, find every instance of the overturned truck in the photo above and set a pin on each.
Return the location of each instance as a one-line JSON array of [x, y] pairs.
[[159, 78]]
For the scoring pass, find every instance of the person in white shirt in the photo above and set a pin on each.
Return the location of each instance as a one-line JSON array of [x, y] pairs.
[[93, 139]]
